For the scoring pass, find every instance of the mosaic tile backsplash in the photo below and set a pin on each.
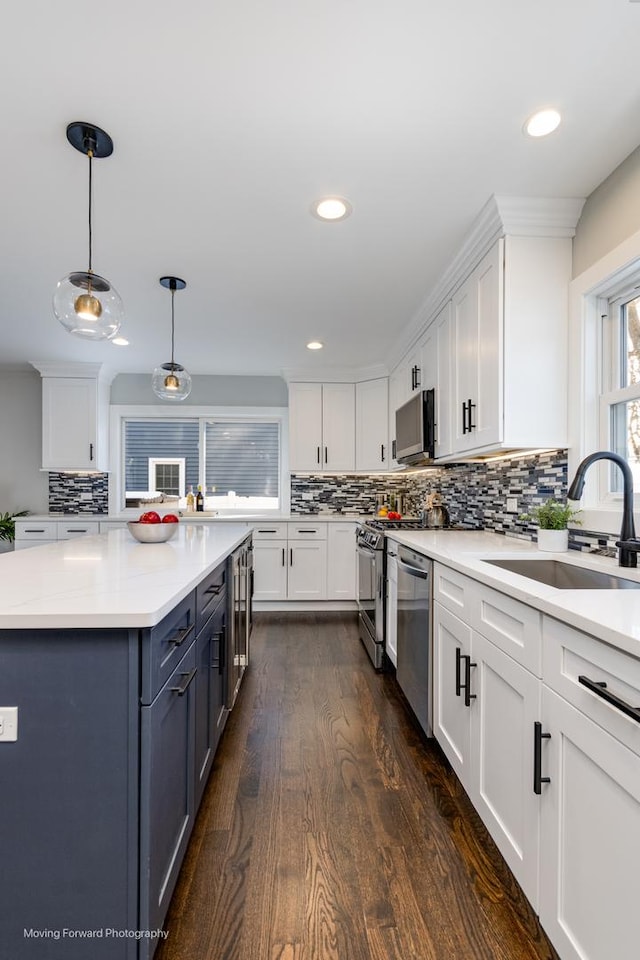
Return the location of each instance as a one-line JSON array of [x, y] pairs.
[[475, 494], [79, 493]]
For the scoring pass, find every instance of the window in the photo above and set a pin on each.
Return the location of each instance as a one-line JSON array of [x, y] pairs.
[[604, 379], [620, 396], [167, 476], [236, 460]]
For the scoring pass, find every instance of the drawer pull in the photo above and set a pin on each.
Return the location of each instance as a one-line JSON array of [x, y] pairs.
[[34, 531], [600, 689], [538, 737], [267, 531], [181, 636], [215, 590], [306, 531], [188, 677]]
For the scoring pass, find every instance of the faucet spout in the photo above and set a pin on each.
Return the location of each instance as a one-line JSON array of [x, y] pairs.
[[628, 545]]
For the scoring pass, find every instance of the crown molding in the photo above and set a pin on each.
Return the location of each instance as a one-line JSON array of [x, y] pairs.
[[335, 374], [501, 216], [67, 368]]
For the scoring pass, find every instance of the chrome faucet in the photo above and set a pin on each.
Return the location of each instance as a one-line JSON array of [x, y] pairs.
[[628, 545]]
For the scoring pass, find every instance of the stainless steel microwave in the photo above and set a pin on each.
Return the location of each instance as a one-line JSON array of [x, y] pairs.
[[415, 429]]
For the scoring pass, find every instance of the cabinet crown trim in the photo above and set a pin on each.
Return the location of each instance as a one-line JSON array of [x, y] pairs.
[[501, 216]]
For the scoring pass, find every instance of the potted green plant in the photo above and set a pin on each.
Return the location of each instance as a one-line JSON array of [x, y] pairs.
[[553, 519], [8, 529]]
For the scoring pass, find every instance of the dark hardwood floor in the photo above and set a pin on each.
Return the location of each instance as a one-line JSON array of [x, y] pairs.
[[331, 828]]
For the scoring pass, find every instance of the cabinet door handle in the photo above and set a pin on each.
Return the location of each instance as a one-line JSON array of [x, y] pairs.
[[393, 449], [90, 451], [326, 455], [413, 378], [538, 737], [215, 590], [181, 636], [382, 452], [468, 696], [472, 425], [182, 688], [318, 453], [290, 556], [599, 687], [216, 664], [464, 417], [458, 671], [283, 556], [417, 377]]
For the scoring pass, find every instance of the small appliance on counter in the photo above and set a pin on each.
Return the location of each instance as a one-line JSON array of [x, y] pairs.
[[435, 514]]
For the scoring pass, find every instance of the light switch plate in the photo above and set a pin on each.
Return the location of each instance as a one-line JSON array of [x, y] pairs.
[[8, 724], [512, 504]]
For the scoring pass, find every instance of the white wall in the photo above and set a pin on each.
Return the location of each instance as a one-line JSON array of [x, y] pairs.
[[610, 215], [23, 485], [206, 391]]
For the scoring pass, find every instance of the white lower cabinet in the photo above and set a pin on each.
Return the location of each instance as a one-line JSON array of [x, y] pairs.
[[590, 837], [550, 763], [341, 561], [290, 561], [506, 707], [485, 705]]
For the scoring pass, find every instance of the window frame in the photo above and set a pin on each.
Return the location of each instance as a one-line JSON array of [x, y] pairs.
[[118, 413], [180, 462], [591, 359]]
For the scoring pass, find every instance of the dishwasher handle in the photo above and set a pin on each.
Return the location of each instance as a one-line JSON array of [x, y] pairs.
[[413, 571]]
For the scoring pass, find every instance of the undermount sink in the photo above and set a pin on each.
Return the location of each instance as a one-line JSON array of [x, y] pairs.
[[565, 576]]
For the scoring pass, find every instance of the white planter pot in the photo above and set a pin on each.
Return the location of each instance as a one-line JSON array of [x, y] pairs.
[[555, 541]]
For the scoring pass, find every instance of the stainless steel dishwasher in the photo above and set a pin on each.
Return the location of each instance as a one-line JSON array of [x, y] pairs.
[[414, 667]]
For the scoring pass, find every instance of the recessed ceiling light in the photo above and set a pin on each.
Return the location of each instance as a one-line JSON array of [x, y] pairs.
[[120, 342], [542, 123], [315, 345], [332, 208]]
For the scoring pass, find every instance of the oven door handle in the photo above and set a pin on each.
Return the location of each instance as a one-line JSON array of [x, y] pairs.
[[413, 571]]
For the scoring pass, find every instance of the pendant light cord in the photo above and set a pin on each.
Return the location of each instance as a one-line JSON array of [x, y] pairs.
[[90, 155], [173, 293]]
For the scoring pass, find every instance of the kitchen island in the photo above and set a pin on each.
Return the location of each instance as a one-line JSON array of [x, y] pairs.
[[113, 655]]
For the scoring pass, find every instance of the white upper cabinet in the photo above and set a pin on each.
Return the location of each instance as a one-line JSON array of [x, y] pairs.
[[322, 426], [477, 355], [75, 406], [372, 420]]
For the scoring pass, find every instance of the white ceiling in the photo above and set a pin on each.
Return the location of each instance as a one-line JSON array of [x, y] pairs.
[[229, 119]]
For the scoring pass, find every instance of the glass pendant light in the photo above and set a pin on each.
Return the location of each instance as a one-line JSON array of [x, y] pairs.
[[170, 380], [86, 304]]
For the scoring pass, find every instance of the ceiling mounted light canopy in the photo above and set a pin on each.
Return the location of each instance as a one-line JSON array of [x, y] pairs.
[[332, 208], [170, 380], [85, 303]]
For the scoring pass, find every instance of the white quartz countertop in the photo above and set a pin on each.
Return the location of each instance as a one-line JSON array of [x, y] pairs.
[[251, 518], [109, 580], [610, 615]]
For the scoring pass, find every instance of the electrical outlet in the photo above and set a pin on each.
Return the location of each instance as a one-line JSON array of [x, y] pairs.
[[8, 724], [512, 504]]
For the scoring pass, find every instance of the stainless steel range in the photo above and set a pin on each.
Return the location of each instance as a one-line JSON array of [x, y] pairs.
[[371, 581]]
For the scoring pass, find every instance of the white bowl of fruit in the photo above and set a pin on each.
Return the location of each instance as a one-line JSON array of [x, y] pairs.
[[150, 527]]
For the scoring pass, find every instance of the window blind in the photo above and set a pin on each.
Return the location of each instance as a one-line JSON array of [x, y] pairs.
[[242, 456]]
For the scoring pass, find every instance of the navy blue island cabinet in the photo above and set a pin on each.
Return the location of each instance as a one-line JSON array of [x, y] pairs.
[[117, 730]]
